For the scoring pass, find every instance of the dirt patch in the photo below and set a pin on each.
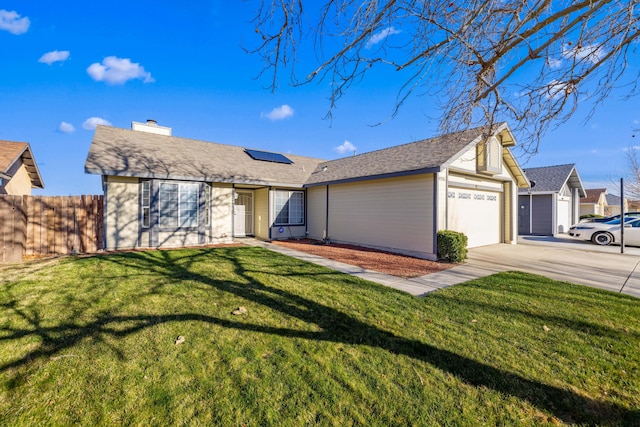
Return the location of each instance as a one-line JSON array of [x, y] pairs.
[[371, 259]]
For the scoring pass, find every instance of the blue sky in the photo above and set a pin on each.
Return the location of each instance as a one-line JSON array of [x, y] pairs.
[[69, 64]]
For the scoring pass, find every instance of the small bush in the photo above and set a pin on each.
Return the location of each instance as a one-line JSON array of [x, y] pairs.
[[587, 216], [452, 246]]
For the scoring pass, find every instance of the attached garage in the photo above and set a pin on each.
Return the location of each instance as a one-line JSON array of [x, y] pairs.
[[552, 204], [476, 213], [400, 197]]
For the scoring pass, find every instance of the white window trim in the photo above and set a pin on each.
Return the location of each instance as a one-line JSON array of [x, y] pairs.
[[275, 208], [178, 225], [145, 186]]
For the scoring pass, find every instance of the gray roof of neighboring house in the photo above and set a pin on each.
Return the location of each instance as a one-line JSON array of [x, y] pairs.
[[425, 156], [551, 179], [612, 199], [123, 152]]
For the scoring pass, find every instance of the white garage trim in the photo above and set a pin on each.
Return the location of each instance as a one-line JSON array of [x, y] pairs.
[[476, 213]]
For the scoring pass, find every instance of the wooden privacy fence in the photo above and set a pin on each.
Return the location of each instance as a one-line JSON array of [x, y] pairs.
[[48, 225]]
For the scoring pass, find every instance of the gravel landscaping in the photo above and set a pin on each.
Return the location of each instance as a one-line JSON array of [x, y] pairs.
[[371, 259]]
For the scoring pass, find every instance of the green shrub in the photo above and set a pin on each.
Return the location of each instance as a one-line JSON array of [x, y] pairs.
[[452, 246], [585, 216]]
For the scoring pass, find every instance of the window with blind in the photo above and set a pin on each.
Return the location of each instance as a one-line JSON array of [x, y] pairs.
[[178, 205], [289, 207]]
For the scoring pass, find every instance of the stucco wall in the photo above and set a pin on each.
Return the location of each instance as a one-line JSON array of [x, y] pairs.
[[394, 214], [20, 183], [317, 212], [221, 213], [261, 206], [121, 212], [590, 208], [283, 232]]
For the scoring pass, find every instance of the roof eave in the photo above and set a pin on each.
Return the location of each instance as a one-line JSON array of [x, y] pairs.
[[434, 169], [32, 168], [213, 178], [521, 179], [581, 189], [29, 162]]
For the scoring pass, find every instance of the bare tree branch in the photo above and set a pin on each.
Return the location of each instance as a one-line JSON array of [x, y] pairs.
[[531, 63]]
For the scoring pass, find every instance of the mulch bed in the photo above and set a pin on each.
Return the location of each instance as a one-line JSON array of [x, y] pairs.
[[371, 259]]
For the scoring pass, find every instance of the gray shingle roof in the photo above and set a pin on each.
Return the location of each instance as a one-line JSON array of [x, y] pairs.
[[552, 178], [125, 152], [613, 200], [422, 156]]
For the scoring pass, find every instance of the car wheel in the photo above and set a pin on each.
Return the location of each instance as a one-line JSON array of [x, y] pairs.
[[602, 239]]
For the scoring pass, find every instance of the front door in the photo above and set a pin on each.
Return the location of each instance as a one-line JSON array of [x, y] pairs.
[[524, 220], [243, 214]]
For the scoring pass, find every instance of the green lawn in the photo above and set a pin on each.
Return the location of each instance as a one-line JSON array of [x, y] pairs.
[[91, 341]]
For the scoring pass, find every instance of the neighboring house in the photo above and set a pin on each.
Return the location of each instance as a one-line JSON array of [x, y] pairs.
[[612, 206], [552, 204], [162, 190], [633, 205], [18, 169], [594, 202]]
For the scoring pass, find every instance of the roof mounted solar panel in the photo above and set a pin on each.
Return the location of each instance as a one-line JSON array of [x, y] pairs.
[[266, 156]]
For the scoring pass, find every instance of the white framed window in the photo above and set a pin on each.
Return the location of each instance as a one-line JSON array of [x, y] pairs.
[[289, 207], [145, 204], [178, 205]]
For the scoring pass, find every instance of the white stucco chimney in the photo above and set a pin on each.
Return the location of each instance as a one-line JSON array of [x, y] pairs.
[[151, 127]]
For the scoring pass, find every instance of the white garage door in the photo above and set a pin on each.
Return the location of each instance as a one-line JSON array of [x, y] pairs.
[[477, 214]]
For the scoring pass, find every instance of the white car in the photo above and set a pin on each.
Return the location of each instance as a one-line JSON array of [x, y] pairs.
[[605, 233]]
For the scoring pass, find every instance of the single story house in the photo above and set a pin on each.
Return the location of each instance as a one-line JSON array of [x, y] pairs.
[[552, 204], [162, 190], [613, 203], [594, 202], [18, 169]]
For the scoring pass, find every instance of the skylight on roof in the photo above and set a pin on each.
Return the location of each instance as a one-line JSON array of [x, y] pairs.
[[266, 156]]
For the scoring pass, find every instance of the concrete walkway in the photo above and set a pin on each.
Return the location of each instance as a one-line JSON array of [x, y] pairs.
[[604, 270]]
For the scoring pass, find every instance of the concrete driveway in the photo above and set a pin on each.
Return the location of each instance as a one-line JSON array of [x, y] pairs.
[[561, 259], [568, 242], [567, 260]]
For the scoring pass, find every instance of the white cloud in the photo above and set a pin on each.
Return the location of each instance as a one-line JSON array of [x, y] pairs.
[[12, 22], [554, 63], [67, 128], [380, 36], [591, 53], [556, 89], [279, 113], [54, 56], [346, 147], [118, 71], [92, 122]]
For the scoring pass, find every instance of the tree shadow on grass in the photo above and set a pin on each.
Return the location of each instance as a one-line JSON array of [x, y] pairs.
[[336, 326]]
